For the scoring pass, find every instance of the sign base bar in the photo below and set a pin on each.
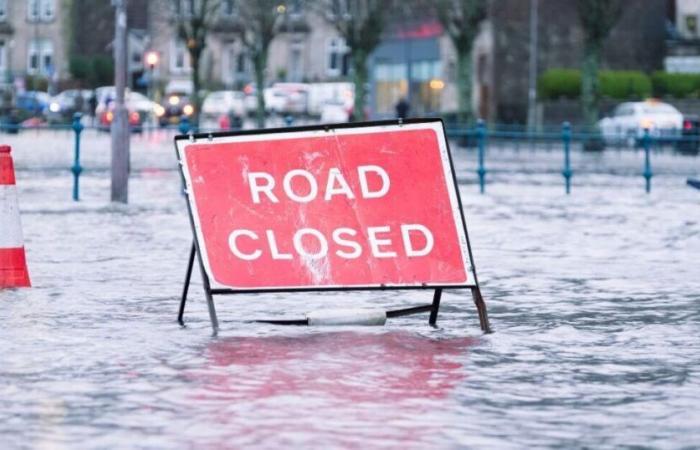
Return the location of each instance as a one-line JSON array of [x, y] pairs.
[[209, 293]]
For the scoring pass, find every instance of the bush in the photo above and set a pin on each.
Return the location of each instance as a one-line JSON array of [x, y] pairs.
[[36, 83], [79, 67], [102, 71], [621, 84], [559, 83], [624, 84], [678, 85]]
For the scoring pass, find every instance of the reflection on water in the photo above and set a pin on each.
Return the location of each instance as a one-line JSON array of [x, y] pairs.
[[318, 387], [341, 367]]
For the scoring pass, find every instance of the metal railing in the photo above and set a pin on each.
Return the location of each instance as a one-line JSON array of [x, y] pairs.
[[478, 136]]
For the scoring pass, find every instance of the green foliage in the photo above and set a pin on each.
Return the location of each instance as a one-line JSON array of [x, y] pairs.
[[79, 67], [566, 83], [94, 70], [624, 84], [678, 85], [559, 83], [102, 71], [37, 83]]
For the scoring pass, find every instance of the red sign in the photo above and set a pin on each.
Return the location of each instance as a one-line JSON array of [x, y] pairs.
[[366, 206]]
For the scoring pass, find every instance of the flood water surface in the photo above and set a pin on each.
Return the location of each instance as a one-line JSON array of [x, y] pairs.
[[594, 299]]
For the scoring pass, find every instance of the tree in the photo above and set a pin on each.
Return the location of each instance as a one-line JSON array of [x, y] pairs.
[[257, 28], [360, 23], [461, 20], [194, 19], [597, 17]]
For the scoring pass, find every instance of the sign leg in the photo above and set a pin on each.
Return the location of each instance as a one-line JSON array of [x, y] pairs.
[[186, 287], [210, 303], [481, 309], [435, 308]]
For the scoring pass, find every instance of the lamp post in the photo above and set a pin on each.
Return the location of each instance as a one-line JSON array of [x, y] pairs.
[[151, 60], [120, 123]]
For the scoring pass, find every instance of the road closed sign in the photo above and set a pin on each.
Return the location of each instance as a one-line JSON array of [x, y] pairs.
[[368, 205]]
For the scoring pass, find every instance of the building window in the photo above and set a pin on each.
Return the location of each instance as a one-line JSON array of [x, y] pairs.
[[241, 66], [391, 84], [179, 57], [339, 8], [183, 8], [228, 8], [47, 9], [296, 71], [33, 10], [2, 56], [337, 58], [40, 58], [40, 10], [296, 8], [3, 10], [691, 24]]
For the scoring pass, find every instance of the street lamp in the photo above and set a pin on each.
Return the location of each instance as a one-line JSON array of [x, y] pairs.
[[151, 59]]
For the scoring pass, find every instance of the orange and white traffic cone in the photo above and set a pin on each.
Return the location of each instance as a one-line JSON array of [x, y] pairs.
[[13, 262]]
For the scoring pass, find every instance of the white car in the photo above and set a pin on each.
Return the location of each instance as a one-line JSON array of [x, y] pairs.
[[335, 111], [629, 120], [219, 107]]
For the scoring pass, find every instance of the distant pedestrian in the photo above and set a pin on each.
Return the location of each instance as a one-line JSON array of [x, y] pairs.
[[402, 108], [92, 106]]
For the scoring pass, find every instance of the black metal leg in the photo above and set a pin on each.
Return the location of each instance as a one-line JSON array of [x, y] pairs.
[[435, 308], [481, 309], [186, 287], [210, 303]]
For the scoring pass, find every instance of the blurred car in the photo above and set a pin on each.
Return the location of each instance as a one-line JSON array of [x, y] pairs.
[[630, 119], [223, 109], [335, 111], [275, 100], [140, 110], [32, 103], [689, 142], [280, 98], [67, 103], [295, 97], [173, 107]]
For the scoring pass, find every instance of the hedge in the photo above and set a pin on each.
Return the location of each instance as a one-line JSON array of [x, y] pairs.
[[679, 85], [624, 84], [618, 84], [559, 83]]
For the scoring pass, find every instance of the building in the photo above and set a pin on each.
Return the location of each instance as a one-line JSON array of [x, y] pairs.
[[683, 37], [635, 43], [32, 43], [415, 60]]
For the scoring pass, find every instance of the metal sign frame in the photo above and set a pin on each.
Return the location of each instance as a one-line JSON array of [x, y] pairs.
[[209, 292]]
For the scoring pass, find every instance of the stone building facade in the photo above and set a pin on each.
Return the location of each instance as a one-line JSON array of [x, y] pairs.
[[33, 40]]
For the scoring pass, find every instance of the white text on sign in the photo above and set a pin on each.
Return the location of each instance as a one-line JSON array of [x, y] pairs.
[[309, 243]]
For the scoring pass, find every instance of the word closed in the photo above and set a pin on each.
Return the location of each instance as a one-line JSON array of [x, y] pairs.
[[342, 208]]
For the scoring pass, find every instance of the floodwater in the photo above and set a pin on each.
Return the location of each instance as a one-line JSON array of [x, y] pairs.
[[594, 299]]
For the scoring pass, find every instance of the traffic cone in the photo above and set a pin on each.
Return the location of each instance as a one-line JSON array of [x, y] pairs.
[[13, 262]]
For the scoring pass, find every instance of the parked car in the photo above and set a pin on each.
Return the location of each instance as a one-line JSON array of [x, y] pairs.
[[65, 104], [630, 119], [280, 98], [173, 107], [335, 111], [321, 93], [690, 136], [32, 103], [140, 110], [225, 108], [295, 97]]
